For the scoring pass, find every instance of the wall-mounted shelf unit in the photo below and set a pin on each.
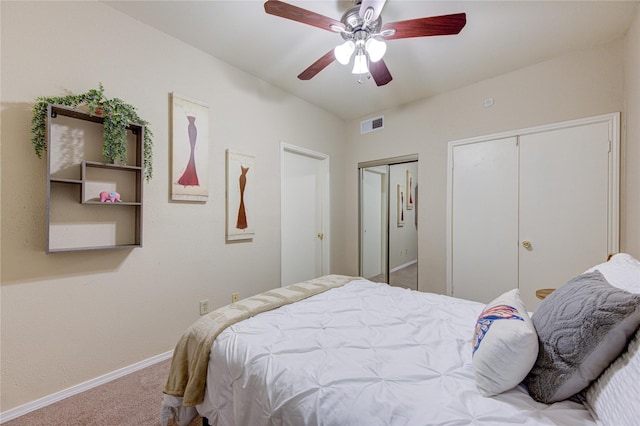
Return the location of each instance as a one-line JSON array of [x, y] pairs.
[[76, 174]]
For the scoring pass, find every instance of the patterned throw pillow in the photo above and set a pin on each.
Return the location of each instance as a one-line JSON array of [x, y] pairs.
[[582, 326], [505, 344]]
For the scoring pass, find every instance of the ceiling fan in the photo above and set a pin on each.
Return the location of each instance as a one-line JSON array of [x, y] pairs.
[[361, 28]]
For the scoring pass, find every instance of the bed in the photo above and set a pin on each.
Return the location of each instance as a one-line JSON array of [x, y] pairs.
[[346, 351]]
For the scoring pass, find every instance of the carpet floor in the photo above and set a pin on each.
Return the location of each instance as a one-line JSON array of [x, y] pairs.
[[132, 400], [406, 277]]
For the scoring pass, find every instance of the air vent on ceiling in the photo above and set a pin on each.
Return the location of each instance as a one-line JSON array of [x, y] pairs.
[[372, 124]]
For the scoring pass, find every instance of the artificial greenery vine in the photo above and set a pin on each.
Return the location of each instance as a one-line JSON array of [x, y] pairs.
[[117, 117]]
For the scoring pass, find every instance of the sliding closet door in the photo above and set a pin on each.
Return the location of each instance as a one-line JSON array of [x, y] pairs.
[[373, 205], [403, 226], [563, 205], [388, 211], [484, 219]]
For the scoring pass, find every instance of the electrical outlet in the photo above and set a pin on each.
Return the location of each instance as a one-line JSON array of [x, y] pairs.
[[204, 307], [234, 297]]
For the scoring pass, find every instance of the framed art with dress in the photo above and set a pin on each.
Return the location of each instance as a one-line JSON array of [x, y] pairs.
[[240, 188], [190, 150]]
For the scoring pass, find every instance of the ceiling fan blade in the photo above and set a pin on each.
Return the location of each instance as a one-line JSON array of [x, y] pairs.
[[375, 5], [423, 27], [380, 72], [295, 13], [318, 66]]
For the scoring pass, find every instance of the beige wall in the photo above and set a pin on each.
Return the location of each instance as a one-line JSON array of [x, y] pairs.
[[630, 175], [580, 85], [71, 317]]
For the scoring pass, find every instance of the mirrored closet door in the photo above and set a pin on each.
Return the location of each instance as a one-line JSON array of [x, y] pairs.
[[389, 221]]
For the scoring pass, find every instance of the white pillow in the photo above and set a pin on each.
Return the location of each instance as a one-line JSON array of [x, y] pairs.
[[613, 397], [505, 344], [622, 271]]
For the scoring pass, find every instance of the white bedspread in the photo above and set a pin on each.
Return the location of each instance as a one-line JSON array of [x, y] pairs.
[[363, 354]]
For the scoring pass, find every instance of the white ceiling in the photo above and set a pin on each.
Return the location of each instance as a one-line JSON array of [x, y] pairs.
[[500, 36]]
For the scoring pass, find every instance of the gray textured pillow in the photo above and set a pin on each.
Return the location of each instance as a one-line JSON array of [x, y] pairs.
[[582, 327]]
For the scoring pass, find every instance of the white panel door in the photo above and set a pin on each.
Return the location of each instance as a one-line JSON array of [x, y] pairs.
[[563, 205], [304, 250], [484, 222]]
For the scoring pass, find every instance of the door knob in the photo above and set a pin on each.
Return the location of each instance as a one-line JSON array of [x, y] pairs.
[[526, 244], [320, 235]]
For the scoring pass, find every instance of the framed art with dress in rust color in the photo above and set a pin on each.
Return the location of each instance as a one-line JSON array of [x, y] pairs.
[[410, 195], [400, 205], [241, 178]]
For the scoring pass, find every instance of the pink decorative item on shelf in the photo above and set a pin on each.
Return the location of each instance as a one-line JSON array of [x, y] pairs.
[[110, 197]]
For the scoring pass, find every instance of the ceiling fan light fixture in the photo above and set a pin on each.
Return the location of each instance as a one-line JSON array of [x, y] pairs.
[[360, 64], [376, 49], [359, 25], [344, 51]]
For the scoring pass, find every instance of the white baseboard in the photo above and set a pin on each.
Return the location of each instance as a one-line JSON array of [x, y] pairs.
[[397, 268], [13, 413]]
